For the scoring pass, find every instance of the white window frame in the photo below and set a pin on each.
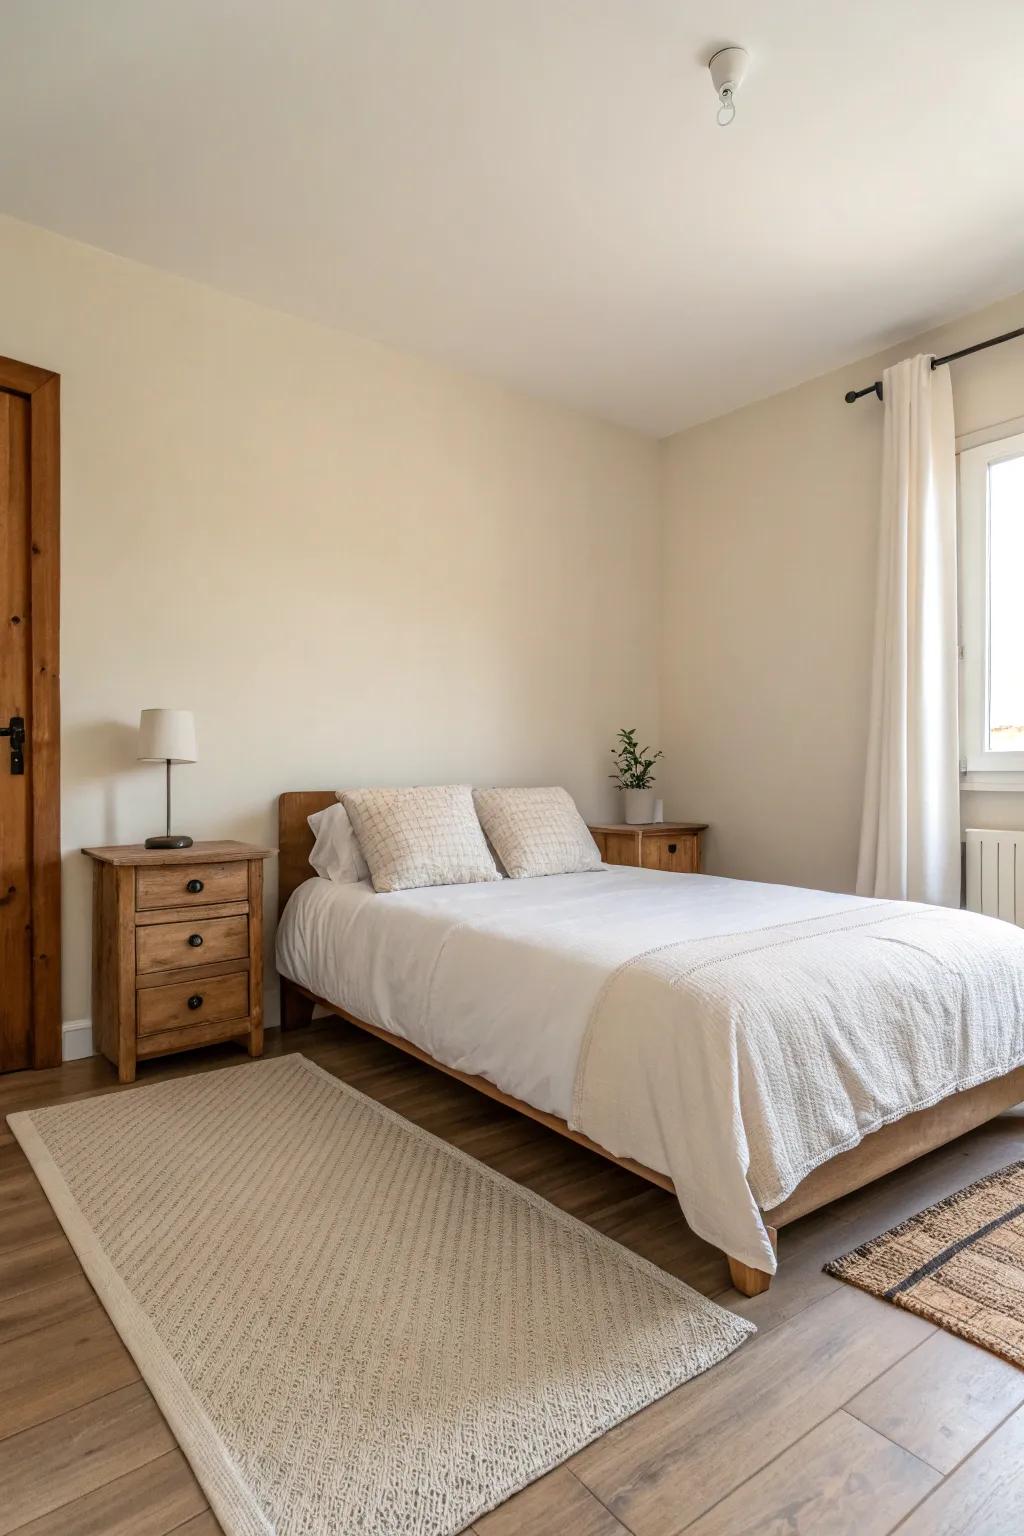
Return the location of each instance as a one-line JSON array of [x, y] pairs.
[[979, 767]]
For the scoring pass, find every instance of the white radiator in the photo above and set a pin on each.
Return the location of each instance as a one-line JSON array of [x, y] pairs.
[[995, 874]]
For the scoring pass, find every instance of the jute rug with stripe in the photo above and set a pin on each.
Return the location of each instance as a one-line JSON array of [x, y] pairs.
[[350, 1325], [960, 1264]]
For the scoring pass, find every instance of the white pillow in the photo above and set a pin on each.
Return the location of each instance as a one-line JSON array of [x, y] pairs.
[[417, 837], [336, 854], [536, 832]]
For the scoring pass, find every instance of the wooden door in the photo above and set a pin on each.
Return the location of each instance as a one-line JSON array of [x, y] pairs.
[[30, 864], [15, 703]]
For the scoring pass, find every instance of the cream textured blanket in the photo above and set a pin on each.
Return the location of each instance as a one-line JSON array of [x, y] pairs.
[[743, 1061]]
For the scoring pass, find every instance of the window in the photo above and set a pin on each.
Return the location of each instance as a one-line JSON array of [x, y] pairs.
[[992, 614]]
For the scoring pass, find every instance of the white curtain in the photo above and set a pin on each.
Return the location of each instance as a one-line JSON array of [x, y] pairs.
[[910, 832]]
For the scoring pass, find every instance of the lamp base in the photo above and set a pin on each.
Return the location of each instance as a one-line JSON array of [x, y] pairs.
[[171, 840]]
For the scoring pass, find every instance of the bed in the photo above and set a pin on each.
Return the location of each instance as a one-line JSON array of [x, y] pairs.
[[556, 996]]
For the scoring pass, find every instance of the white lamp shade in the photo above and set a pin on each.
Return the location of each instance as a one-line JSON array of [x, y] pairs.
[[167, 734]]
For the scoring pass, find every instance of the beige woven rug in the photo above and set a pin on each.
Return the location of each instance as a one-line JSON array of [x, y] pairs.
[[960, 1264], [351, 1326]]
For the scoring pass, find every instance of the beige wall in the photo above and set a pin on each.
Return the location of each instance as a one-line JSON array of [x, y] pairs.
[[771, 529], [355, 566]]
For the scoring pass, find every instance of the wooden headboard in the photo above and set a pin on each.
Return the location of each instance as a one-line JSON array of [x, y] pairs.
[[294, 839]]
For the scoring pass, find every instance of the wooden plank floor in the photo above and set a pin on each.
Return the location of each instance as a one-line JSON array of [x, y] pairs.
[[843, 1415]]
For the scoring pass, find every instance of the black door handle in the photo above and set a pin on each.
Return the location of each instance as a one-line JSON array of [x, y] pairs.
[[195, 939], [15, 729]]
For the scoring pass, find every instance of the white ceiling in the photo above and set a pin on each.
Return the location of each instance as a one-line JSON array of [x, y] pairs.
[[537, 189]]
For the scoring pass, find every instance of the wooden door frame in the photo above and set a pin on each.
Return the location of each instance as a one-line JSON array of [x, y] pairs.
[[41, 388]]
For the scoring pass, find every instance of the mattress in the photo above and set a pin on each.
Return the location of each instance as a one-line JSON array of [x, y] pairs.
[[500, 979], [730, 1034]]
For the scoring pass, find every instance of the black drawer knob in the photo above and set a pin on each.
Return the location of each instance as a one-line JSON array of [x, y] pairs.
[[195, 939], [672, 847], [195, 1001], [194, 886]]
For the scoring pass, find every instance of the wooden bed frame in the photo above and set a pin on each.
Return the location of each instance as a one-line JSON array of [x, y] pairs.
[[878, 1154]]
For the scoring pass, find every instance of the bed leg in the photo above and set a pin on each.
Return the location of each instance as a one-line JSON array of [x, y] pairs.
[[296, 1010], [747, 1280]]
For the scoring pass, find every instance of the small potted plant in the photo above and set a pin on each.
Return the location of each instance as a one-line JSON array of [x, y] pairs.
[[634, 777]]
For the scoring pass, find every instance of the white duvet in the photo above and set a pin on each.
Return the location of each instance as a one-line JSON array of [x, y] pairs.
[[729, 1034]]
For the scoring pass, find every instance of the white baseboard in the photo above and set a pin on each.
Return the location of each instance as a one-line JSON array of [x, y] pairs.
[[77, 1039]]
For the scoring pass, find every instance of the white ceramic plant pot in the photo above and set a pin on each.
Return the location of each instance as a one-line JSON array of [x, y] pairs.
[[639, 806]]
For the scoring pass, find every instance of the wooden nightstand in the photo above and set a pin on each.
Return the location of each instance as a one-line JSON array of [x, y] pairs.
[[177, 936], [671, 845]]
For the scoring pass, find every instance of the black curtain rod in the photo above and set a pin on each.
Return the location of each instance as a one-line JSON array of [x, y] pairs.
[[937, 362]]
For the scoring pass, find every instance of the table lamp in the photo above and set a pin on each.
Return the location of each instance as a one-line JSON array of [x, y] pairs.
[[167, 736]]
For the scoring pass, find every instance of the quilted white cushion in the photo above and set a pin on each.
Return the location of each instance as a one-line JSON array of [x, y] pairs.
[[416, 837], [536, 831]]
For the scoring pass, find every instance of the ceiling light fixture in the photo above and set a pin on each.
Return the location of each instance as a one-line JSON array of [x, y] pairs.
[[727, 67]]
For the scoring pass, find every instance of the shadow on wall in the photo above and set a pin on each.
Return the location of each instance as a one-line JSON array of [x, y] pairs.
[[99, 753], [94, 759]]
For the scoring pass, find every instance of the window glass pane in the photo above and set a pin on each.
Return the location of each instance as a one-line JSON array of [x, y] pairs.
[[1006, 606]]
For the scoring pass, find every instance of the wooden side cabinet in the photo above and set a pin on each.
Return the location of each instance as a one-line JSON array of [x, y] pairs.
[[177, 956], [669, 845]]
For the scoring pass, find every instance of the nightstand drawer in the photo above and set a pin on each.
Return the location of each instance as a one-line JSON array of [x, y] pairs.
[[672, 846], [207, 1000], [185, 885], [172, 946], [679, 855]]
